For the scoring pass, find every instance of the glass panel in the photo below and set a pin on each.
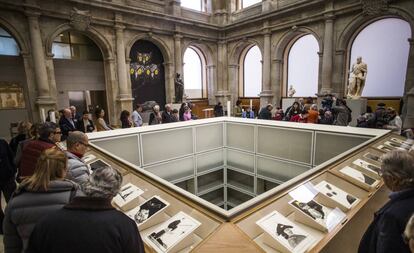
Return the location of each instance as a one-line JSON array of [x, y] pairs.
[[253, 72], [236, 198], [8, 46], [215, 197], [324, 150], [173, 170], [193, 78], [158, 146], [4, 33], [239, 180], [187, 185], [303, 66], [247, 3], [209, 137], [264, 185], [209, 181], [296, 145], [210, 161], [240, 160], [278, 170], [78, 38], [63, 38], [386, 58], [125, 147], [240, 136], [61, 51]]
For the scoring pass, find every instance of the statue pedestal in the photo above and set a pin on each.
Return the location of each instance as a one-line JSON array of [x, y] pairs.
[[408, 113], [358, 107]]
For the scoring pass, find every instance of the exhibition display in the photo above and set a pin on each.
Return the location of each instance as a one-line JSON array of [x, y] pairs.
[[190, 178]]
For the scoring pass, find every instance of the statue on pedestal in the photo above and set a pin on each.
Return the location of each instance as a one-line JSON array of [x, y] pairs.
[[357, 78], [291, 91], [179, 88]]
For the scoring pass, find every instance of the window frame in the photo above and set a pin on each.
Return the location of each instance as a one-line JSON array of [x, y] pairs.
[[203, 62], [242, 61]]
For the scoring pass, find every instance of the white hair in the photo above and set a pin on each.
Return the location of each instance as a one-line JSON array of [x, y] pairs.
[[104, 182]]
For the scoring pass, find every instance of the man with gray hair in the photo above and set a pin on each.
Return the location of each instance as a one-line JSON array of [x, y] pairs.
[[384, 233], [89, 224], [77, 145], [167, 114]]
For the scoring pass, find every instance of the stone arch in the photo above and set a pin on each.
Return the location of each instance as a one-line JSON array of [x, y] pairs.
[[204, 48], [281, 53], [237, 51], [154, 39], [23, 45], [361, 21], [103, 44]]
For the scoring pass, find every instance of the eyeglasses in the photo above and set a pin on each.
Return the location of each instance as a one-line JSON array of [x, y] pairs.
[[58, 132]]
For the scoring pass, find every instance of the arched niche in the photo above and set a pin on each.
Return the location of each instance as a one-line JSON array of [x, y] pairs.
[[251, 69], [147, 73]]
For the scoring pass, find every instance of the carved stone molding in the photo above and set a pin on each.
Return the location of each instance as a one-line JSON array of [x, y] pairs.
[[80, 20], [374, 7]]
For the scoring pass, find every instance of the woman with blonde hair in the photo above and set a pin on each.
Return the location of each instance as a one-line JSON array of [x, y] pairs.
[[45, 191]]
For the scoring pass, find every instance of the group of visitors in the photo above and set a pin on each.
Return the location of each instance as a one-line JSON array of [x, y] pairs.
[[385, 118], [59, 206]]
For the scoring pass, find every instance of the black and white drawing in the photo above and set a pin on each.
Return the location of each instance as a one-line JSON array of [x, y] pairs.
[[171, 232], [384, 148], [128, 193], [396, 145], [98, 164], [407, 142], [286, 232], [367, 166], [351, 172], [373, 157], [337, 194], [148, 209], [312, 209]]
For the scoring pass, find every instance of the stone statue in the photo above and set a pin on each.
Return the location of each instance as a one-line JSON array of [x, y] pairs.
[[357, 77], [179, 89], [291, 91]]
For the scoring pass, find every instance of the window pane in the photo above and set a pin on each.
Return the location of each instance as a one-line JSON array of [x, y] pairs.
[[253, 72], [247, 3], [191, 4], [61, 51], [384, 47], [8, 45], [193, 79], [303, 66]]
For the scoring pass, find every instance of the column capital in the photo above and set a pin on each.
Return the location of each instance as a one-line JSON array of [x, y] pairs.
[[329, 17], [222, 42], [211, 66], [277, 61], [166, 64], [320, 54], [34, 14], [109, 59], [178, 36], [231, 66], [340, 52], [119, 27]]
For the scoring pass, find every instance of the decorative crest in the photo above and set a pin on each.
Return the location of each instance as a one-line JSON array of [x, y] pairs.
[[374, 7]]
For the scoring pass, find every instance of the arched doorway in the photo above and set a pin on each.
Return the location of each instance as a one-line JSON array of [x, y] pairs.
[[147, 73], [79, 72], [303, 66], [384, 47], [14, 102]]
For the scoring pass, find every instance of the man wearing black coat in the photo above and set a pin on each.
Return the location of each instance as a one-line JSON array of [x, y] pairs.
[[84, 124], [266, 112], [384, 235], [66, 124]]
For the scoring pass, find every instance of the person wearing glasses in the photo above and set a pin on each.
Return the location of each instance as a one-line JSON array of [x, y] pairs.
[[385, 234], [77, 144], [48, 135], [409, 234]]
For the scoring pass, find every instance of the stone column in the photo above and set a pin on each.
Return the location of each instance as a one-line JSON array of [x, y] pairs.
[[233, 71], [212, 83], [124, 95], [277, 70], [43, 99], [178, 61], [327, 55], [266, 94], [408, 115], [222, 94]]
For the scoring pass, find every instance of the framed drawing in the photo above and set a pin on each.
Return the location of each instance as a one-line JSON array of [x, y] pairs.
[[371, 169], [148, 210], [283, 234], [128, 197], [373, 157], [338, 195], [396, 145], [384, 148], [98, 164], [358, 177], [11, 96], [407, 142], [172, 233]]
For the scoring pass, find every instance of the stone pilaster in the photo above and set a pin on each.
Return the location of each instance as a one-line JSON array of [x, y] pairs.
[[277, 70], [178, 59], [266, 95], [408, 108], [327, 55]]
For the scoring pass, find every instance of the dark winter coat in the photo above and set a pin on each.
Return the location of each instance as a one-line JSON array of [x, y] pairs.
[[384, 235], [31, 152], [86, 225], [7, 167], [26, 208]]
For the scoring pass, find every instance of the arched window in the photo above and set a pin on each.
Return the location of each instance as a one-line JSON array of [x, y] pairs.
[[246, 3], [193, 4], [251, 72], [73, 45], [303, 66], [194, 73], [384, 47], [8, 45]]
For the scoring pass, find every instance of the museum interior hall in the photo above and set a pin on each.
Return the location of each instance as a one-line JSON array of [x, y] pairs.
[[132, 126]]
